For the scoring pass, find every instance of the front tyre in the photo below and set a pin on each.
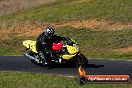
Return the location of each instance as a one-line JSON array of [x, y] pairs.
[[82, 60]]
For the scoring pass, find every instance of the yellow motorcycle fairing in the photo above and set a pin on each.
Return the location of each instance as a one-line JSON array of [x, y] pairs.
[[31, 45], [72, 50], [67, 56]]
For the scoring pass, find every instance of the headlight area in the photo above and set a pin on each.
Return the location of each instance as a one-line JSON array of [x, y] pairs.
[[76, 46]]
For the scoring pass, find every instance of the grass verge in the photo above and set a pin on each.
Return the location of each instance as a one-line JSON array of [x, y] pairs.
[[32, 80], [63, 10], [93, 43]]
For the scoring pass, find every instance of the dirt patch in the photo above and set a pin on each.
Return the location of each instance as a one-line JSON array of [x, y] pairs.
[[124, 50], [82, 1], [96, 25], [35, 28], [20, 31]]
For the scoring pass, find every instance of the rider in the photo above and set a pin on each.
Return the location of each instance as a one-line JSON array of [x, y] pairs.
[[45, 41]]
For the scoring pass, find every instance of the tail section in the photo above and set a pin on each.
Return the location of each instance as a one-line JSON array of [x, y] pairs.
[[30, 45]]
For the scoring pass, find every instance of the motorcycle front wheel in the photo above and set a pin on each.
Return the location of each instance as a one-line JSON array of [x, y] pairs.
[[82, 60]]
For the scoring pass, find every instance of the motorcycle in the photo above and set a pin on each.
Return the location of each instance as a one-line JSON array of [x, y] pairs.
[[64, 51]]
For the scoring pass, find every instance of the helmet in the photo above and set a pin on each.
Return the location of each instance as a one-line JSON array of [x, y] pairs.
[[49, 32]]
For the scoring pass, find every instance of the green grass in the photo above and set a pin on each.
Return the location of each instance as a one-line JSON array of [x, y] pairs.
[[93, 43], [32, 80], [62, 10], [100, 43], [13, 46]]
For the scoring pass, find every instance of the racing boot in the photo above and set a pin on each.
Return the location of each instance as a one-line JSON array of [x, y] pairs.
[[43, 59]]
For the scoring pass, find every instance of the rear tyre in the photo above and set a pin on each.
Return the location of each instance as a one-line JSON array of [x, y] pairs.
[[43, 59], [31, 54], [45, 62], [34, 62]]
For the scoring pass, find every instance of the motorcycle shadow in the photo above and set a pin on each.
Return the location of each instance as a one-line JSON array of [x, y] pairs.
[[94, 66], [67, 65]]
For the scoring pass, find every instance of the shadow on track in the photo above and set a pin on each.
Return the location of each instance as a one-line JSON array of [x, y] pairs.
[[94, 66], [67, 65]]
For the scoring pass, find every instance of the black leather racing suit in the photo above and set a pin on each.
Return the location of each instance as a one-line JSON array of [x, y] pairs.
[[44, 44]]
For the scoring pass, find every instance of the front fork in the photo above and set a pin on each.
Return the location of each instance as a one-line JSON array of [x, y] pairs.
[[79, 61]]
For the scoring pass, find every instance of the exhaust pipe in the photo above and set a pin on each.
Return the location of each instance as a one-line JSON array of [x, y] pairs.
[[31, 58]]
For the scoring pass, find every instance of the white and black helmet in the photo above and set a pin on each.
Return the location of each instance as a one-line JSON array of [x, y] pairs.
[[49, 32]]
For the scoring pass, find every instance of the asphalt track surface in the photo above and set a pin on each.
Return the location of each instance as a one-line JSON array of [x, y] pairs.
[[21, 63]]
